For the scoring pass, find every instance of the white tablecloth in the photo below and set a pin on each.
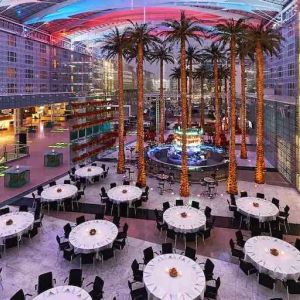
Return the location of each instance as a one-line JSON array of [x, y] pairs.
[[84, 172], [266, 211], [22, 222], [189, 284], [194, 220], [67, 292], [209, 180], [83, 242], [284, 266], [117, 194], [51, 194]]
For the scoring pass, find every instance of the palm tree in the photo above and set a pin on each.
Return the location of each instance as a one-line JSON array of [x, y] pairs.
[[244, 49], [176, 75], [141, 39], [180, 32], [161, 54], [215, 53], [114, 44], [266, 40], [225, 75], [228, 32], [192, 55], [201, 73]]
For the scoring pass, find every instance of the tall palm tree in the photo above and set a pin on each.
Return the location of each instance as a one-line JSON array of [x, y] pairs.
[[161, 54], [142, 39], [180, 32], [176, 75], [228, 32], [215, 53], [201, 73], [244, 49], [265, 40], [114, 44], [225, 75], [192, 55]]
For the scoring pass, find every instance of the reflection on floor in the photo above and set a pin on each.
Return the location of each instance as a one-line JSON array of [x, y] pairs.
[[21, 268]]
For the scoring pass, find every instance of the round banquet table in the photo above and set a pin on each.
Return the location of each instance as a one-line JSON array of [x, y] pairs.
[[209, 180], [83, 242], [67, 292], [192, 222], [284, 266], [189, 284], [118, 196], [52, 194], [266, 210], [89, 172], [22, 222]]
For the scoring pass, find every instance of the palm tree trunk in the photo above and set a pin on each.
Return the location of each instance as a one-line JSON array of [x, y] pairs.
[[141, 177], [217, 105], [190, 93], [202, 108], [260, 161], [184, 178], [161, 104], [226, 105], [178, 85], [243, 107], [121, 153], [232, 176]]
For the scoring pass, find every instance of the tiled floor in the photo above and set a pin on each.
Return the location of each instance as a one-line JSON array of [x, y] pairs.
[[21, 268]]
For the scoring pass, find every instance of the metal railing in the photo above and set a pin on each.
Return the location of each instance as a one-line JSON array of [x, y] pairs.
[[13, 151]]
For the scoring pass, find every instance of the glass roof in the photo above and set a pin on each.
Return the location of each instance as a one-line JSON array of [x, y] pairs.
[[73, 16]]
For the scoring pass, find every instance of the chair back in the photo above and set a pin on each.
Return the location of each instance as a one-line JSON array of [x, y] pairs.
[[190, 253], [125, 228], [231, 243], [52, 183], [87, 258], [260, 195], [67, 230], [45, 282], [195, 204], [218, 283], [179, 202], [112, 185], [75, 277], [266, 280], [244, 194], [19, 295], [103, 166], [98, 285], [297, 244], [11, 242], [207, 212], [166, 248], [134, 266], [148, 254], [209, 266], [166, 205], [126, 182], [4, 211], [275, 201], [67, 181], [239, 235], [80, 220], [116, 220]]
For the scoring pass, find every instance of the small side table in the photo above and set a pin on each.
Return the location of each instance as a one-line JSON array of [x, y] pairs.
[[16, 177], [53, 159]]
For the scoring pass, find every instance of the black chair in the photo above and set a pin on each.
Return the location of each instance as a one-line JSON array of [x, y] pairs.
[[277, 234], [297, 244], [52, 183], [166, 248], [40, 190], [191, 237], [123, 233], [94, 164], [276, 202], [69, 254], [32, 232], [12, 242], [80, 220], [23, 208], [231, 207], [75, 278], [260, 195], [292, 287], [166, 205], [97, 292], [103, 167], [148, 255], [4, 211], [62, 245], [195, 204], [205, 233], [244, 194], [179, 202], [136, 271], [190, 253], [20, 295], [136, 204], [67, 181], [266, 281], [236, 252], [107, 254], [87, 259], [247, 267], [255, 227], [139, 293], [158, 217], [126, 182], [99, 216], [171, 234], [161, 226], [112, 185], [116, 221], [207, 212], [119, 244], [211, 292], [45, 282], [208, 269], [240, 238], [67, 230]]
